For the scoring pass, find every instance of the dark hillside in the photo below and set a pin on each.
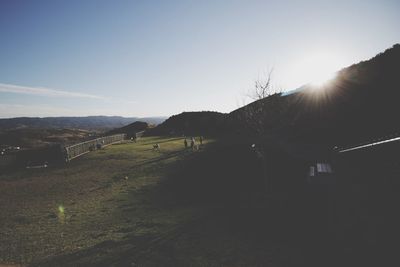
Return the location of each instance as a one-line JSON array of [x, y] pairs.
[[360, 104], [131, 129], [191, 123]]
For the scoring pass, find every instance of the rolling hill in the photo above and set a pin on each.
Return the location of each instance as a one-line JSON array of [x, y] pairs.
[[360, 104], [131, 129], [191, 123], [40, 137]]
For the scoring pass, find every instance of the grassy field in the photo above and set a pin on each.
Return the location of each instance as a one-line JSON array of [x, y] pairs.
[[129, 205], [105, 195]]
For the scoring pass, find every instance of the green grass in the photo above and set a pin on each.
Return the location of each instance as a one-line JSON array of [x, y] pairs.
[[106, 195], [129, 205]]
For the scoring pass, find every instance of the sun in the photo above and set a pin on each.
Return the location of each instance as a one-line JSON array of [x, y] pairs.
[[320, 68], [322, 79], [316, 68]]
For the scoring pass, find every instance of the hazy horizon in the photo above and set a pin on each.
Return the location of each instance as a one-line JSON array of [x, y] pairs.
[[127, 117], [149, 59]]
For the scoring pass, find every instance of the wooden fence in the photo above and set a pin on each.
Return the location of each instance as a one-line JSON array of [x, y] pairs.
[[79, 149]]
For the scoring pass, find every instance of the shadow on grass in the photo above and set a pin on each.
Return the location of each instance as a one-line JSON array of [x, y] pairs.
[[160, 158], [232, 222], [223, 189]]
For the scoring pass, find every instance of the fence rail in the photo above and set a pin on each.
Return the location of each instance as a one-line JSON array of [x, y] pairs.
[[370, 144], [79, 149]]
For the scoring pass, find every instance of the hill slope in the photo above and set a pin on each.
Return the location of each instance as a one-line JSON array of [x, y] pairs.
[[359, 104], [131, 129], [35, 137], [191, 123]]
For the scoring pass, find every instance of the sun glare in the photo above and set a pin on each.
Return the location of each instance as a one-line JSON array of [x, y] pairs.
[[322, 79], [320, 68], [316, 69]]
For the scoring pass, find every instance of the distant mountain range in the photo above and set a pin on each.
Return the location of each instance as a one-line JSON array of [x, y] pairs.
[[86, 123]]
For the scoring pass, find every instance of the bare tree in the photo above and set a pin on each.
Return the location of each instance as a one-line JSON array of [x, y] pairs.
[[262, 87]]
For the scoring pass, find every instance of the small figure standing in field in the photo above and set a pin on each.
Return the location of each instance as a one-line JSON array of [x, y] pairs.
[[201, 140], [185, 143], [192, 143], [156, 147]]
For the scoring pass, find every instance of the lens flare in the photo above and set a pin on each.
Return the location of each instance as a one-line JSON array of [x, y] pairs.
[[61, 209], [61, 214]]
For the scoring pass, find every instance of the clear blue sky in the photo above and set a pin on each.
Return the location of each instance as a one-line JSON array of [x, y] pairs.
[[146, 58]]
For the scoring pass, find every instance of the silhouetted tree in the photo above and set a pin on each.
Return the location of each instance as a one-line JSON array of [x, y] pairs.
[[262, 87]]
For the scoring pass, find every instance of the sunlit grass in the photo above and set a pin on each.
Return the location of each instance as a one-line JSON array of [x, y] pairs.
[[104, 195]]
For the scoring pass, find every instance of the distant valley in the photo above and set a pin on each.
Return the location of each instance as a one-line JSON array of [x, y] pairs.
[[85, 123], [28, 132]]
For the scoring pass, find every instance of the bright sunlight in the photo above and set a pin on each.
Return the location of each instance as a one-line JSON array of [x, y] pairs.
[[320, 68], [317, 68]]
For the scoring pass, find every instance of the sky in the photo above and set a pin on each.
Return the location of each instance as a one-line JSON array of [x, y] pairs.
[[159, 58]]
